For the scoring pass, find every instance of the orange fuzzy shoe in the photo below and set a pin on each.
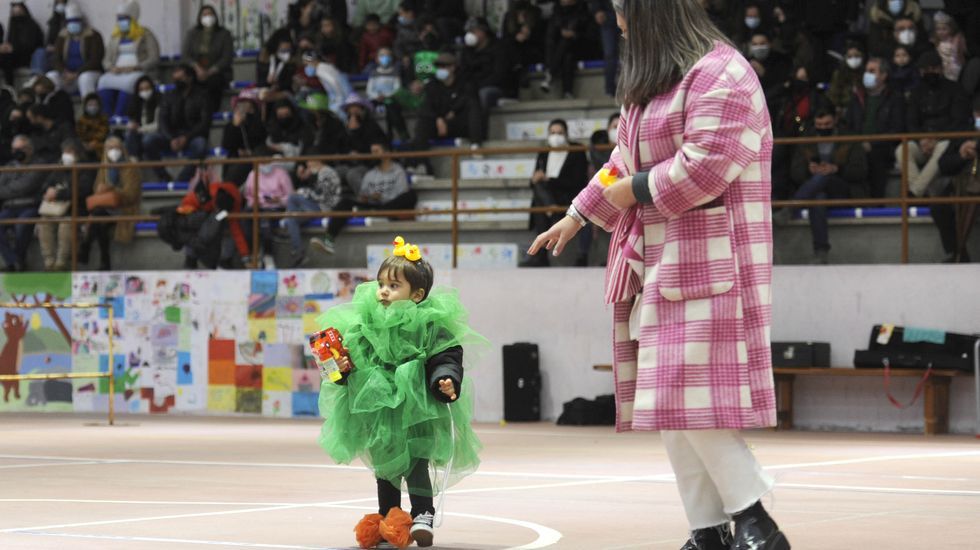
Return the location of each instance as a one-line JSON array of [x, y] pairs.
[[396, 528], [367, 531]]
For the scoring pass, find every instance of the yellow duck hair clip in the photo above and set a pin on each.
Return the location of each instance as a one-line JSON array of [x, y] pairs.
[[409, 251]]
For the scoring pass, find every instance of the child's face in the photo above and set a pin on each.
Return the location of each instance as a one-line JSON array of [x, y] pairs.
[[902, 58], [393, 287]]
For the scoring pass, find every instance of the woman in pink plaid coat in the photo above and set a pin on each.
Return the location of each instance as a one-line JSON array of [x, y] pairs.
[[690, 263]]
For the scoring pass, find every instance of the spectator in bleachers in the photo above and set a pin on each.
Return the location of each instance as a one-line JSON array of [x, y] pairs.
[[132, 52], [335, 47], [58, 101], [363, 131], [289, 134], [374, 37], [825, 171], [883, 18], [792, 117], [847, 77], [116, 192], [524, 32], [210, 50], [951, 45], [384, 187], [330, 80], [92, 128], [274, 188], [905, 75], [936, 105], [15, 121], [876, 108], [484, 65], [567, 40], [605, 17], [967, 16], [558, 177], [770, 65], [77, 57], [275, 76], [448, 15], [215, 240], [430, 44], [319, 191], [56, 196], [19, 194], [752, 20], [243, 137], [24, 37], [908, 34], [144, 116], [385, 9], [42, 58], [407, 40], [955, 222], [48, 132], [382, 87], [823, 24], [330, 133], [280, 48], [450, 109], [184, 124]]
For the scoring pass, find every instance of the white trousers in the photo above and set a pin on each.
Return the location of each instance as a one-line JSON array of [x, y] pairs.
[[125, 82], [84, 84], [921, 179], [717, 475]]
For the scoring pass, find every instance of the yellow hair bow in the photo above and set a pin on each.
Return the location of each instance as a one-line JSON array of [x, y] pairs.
[[409, 251]]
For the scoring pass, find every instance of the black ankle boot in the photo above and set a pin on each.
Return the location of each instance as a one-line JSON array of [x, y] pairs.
[[718, 537], [755, 530]]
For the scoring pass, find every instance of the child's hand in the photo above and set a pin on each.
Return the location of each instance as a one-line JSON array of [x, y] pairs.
[[344, 364], [447, 387]]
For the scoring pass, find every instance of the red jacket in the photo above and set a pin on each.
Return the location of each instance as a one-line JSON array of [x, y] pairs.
[[192, 201], [371, 43]]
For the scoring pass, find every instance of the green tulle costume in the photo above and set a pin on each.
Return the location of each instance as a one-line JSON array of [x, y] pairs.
[[385, 414]]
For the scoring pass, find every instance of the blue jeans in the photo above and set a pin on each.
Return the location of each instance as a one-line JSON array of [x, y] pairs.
[[22, 235], [155, 144], [610, 51], [821, 187], [298, 203], [39, 61]]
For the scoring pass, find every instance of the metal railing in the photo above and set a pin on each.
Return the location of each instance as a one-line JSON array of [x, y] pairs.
[[904, 201]]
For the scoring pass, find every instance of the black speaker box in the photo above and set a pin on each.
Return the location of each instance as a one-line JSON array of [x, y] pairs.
[[522, 383]]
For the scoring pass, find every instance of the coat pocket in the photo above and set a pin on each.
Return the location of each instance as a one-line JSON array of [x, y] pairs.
[[698, 260]]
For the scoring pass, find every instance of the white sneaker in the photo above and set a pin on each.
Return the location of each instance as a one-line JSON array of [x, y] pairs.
[[422, 530], [324, 244], [268, 262]]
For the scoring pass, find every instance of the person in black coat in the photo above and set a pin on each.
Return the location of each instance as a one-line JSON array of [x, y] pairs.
[[484, 65], [58, 101], [770, 65], [48, 132], [242, 137], [558, 177], [185, 122], [568, 33], [877, 109], [450, 108], [23, 38], [210, 49], [954, 222]]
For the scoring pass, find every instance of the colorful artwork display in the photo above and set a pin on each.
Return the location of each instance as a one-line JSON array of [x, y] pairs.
[[221, 342]]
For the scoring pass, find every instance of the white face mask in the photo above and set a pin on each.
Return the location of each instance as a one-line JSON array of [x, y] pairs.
[[59, 8], [854, 62], [470, 39], [895, 6], [284, 56], [870, 80], [67, 159], [752, 22], [208, 20], [614, 135], [760, 52], [557, 140], [145, 95], [113, 155], [906, 37]]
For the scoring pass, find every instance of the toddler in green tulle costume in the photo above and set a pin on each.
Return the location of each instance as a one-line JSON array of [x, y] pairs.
[[402, 406]]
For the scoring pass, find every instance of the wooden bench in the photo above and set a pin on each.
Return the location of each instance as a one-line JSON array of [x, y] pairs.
[[935, 398]]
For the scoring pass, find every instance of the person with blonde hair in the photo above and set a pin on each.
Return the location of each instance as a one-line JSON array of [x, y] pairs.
[[132, 51], [117, 191]]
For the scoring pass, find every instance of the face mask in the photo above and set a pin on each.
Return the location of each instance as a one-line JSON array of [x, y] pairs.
[[92, 110], [470, 39], [801, 85], [614, 135], [442, 74], [384, 60], [285, 122], [284, 56], [895, 6], [113, 155], [59, 8], [208, 20], [74, 27], [180, 84], [310, 71], [854, 62], [67, 159], [932, 79], [870, 80], [402, 20], [906, 37], [20, 155], [752, 22], [123, 25], [557, 140], [266, 169], [145, 95], [824, 132], [759, 52]]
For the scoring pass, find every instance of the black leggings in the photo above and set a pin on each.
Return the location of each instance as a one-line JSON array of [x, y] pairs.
[[390, 496], [101, 233]]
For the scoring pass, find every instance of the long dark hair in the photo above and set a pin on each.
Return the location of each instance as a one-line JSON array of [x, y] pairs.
[[664, 39]]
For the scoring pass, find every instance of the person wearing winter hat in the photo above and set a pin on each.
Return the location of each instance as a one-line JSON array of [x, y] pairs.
[[78, 53], [133, 51]]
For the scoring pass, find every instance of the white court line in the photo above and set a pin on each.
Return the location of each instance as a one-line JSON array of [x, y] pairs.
[[182, 541], [885, 458], [872, 489], [15, 466]]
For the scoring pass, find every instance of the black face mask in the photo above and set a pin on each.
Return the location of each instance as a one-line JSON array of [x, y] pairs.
[[933, 80], [800, 85], [181, 84], [286, 122], [20, 155], [824, 132]]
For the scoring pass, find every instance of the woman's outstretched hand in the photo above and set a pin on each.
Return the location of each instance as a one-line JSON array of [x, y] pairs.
[[557, 237]]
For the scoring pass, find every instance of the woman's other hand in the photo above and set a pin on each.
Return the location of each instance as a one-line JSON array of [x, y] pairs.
[[557, 237], [620, 194]]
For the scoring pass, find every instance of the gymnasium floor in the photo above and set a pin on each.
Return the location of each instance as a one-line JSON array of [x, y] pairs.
[[70, 482]]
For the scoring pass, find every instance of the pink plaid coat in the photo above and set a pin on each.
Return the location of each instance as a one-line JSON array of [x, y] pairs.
[[699, 257]]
